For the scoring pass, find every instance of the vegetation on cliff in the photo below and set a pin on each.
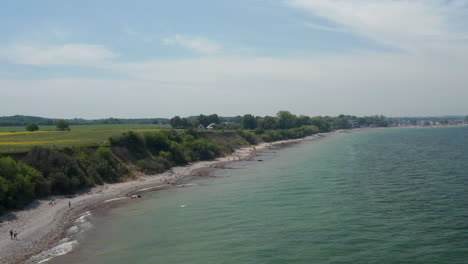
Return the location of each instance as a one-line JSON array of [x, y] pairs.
[[44, 171]]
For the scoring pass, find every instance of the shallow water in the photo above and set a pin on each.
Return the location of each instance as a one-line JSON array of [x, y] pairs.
[[375, 196]]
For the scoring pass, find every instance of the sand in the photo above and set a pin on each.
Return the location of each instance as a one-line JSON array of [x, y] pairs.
[[41, 225]]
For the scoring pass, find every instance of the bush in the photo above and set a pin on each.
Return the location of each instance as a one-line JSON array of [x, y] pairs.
[[201, 149], [153, 165], [157, 142], [62, 125], [31, 127], [179, 154], [16, 185], [249, 136]]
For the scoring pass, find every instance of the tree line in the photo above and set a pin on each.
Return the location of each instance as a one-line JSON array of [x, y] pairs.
[[61, 125], [20, 120], [282, 120]]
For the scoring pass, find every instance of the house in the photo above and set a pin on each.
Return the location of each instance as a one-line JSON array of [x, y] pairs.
[[354, 123], [456, 122], [211, 126], [200, 127]]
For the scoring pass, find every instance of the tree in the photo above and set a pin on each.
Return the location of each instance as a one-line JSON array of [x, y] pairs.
[[177, 122], [214, 118], [206, 120], [341, 123], [286, 120], [32, 127], [62, 125], [16, 187], [248, 122], [267, 122], [303, 121], [321, 123]]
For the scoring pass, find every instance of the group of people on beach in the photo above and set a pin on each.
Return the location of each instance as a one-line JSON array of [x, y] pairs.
[[52, 202], [13, 234]]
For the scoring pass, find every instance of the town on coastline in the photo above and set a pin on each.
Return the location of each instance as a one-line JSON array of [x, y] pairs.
[[428, 121]]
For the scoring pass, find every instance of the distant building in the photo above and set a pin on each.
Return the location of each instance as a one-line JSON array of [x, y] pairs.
[[456, 122], [354, 123], [211, 126], [200, 127]]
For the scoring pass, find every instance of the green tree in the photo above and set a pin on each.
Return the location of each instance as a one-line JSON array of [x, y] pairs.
[[248, 122], [203, 120], [286, 120], [62, 125], [16, 186], [214, 118], [341, 123], [321, 123], [206, 120], [177, 122], [267, 122], [32, 127], [303, 121]]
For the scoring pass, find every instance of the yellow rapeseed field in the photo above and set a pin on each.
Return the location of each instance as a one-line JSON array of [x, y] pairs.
[[19, 133], [91, 135], [37, 142]]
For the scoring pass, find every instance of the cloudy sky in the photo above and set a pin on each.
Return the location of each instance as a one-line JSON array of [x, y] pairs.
[[119, 58]]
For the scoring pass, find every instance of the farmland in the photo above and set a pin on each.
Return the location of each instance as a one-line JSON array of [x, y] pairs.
[[80, 135]]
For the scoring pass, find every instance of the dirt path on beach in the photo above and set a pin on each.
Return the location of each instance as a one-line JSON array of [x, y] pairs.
[[41, 225]]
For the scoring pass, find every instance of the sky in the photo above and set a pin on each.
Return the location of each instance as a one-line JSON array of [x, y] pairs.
[[154, 58]]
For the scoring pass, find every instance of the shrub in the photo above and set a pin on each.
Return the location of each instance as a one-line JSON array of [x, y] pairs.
[[154, 165], [249, 136], [31, 127], [62, 125], [16, 185], [201, 149]]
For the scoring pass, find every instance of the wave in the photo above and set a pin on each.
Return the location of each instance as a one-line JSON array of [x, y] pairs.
[[114, 199], [68, 243], [56, 251]]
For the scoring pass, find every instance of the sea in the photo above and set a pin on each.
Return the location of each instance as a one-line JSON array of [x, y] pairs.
[[370, 196]]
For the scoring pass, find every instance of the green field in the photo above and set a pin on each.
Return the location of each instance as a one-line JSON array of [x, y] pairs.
[[82, 135]]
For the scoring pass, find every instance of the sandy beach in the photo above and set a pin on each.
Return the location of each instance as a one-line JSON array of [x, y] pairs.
[[42, 224]]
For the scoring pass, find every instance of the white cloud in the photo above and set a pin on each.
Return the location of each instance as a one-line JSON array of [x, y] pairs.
[[347, 70], [356, 84], [324, 28], [67, 54], [428, 79], [418, 26], [197, 44]]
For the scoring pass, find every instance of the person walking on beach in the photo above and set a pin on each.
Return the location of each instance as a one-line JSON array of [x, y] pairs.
[[15, 234], [69, 204], [11, 234]]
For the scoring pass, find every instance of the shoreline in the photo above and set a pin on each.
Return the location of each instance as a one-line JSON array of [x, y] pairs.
[[41, 226]]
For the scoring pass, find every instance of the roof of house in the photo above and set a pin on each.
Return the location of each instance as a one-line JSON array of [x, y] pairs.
[[212, 125]]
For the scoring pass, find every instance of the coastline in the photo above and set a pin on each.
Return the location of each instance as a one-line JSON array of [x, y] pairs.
[[41, 226]]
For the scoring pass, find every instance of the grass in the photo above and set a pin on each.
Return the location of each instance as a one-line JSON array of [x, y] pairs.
[[82, 135], [86, 127]]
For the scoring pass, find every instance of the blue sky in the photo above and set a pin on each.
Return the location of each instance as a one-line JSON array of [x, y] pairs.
[[96, 59]]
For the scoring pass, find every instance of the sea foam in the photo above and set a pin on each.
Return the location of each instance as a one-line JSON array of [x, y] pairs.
[[66, 244], [58, 250]]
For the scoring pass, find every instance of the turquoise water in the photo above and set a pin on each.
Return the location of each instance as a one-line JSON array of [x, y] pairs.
[[375, 196]]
